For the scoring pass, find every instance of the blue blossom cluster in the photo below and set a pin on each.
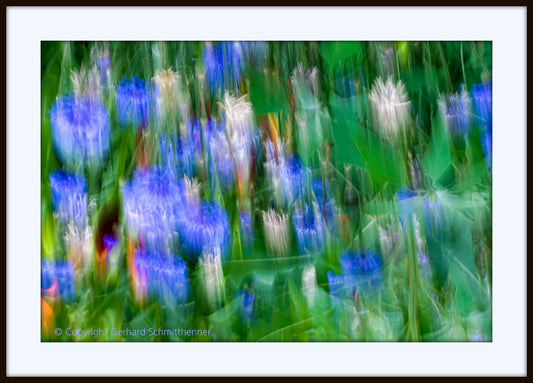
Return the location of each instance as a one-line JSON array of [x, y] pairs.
[[133, 102], [80, 130], [404, 194], [163, 276], [361, 275], [486, 146], [328, 208], [433, 216], [247, 307], [203, 228], [341, 287], [69, 197], [295, 177], [363, 268], [183, 152], [176, 155], [457, 110], [222, 159], [150, 201], [309, 227], [482, 95], [223, 62], [247, 228], [156, 208], [286, 174]]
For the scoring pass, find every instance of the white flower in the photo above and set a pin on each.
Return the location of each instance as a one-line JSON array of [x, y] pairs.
[[170, 94], [213, 277], [309, 284], [192, 189], [239, 117], [79, 245], [239, 127], [86, 82], [276, 232], [390, 105], [309, 77], [456, 110]]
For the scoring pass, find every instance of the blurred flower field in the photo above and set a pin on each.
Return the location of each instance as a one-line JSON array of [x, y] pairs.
[[266, 191]]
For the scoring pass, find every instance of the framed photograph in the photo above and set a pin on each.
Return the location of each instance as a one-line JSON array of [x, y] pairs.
[[320, 198]]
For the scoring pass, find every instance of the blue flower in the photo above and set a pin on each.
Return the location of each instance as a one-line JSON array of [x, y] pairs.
[[289, 179], [182, 152], [178, 155], [63, 272], [222, 159], [133, 102], [100, 56], [103, 62], [456, 110], [214, 66], [310, 236], [404, 194], [247, 228], [360, 262], [486, 146], [341, 287], [247, 305], [318, 189], [482, 95], [149, 203], [327, 208], [365, 266], [202, 228], [217, 65], [162, 276], [424, 265], [198, 132], [80, 130], [433, 216], [296, 176], [69, 197]]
